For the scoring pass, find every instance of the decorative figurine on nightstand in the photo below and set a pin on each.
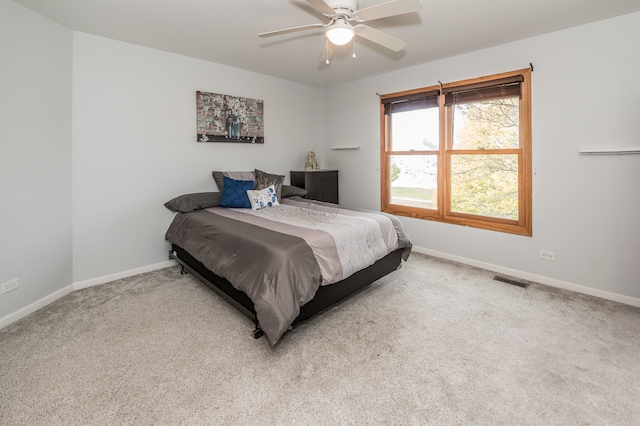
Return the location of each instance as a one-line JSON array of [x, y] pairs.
[[312, 163]]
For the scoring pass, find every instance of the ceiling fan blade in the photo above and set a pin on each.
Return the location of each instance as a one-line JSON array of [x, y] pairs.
[[391, 8], [327, 51], [290, 30], [321, 7], [381, 38]]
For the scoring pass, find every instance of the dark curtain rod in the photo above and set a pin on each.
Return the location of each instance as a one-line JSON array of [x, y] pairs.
[[440, 83]]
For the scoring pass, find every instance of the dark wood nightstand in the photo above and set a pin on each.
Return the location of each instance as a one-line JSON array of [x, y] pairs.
[[321, 185]]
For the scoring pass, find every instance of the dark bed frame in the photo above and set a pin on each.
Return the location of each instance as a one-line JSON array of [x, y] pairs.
[[326, 296]]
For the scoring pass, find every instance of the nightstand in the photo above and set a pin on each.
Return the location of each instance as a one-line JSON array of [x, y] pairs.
[[321, 185]]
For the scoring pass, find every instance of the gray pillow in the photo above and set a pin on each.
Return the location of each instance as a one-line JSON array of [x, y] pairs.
[[264, 180], [219, 177], [189, 202], [292, 191]]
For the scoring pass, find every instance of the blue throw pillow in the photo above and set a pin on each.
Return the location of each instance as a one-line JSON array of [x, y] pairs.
[[234, 193]]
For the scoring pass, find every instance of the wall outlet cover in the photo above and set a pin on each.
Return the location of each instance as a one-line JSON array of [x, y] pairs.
[[10, 286]]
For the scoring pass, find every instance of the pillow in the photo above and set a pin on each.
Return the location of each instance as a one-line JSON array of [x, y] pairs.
[[262, 198], [234, 193], [293, 191], [196, 201], [264, 180], [218, 177]]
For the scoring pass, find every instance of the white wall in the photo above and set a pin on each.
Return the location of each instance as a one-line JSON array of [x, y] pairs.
[[134, 145], [585, 93], [35, 156]]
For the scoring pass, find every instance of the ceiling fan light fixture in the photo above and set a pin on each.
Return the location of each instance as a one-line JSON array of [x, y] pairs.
[[340, 33]]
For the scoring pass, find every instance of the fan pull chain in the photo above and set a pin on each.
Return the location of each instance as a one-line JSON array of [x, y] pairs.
[[354, 48], [327, 50]]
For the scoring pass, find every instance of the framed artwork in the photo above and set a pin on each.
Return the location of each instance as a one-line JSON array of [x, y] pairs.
[[224, 118]]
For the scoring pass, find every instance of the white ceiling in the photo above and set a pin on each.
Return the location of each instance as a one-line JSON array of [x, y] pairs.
[[225, 31]]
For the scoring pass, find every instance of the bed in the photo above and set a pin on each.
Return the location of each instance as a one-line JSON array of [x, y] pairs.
[[283, 264]]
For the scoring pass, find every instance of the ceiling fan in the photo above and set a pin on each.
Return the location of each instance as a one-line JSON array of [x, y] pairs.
[[346, 21]]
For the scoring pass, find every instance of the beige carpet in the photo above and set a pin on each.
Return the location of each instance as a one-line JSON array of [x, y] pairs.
[[434, 343]]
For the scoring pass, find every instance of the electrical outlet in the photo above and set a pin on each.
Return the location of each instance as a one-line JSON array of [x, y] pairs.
[[547, 255], [10, 286]]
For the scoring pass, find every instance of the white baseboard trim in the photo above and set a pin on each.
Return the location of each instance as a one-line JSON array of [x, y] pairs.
[[125, 274], [39, 304], [32, 307], [627, 300]]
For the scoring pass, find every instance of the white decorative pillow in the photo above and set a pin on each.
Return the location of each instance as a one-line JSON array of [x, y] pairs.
[[262, 198]]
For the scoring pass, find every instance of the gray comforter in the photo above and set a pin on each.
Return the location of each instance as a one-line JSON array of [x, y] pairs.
[[280, 261]]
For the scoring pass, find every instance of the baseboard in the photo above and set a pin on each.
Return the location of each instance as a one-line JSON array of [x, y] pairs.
[[32, 307], [39, 304], [627, 300], [108, 278]]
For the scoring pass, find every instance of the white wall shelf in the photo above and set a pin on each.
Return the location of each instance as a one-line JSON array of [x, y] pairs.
[[344, 148], [610, 151]]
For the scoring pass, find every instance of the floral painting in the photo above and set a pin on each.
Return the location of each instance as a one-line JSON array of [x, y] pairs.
[[224, 118]]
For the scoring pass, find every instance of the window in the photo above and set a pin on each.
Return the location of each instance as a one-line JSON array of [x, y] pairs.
[[460, 153]]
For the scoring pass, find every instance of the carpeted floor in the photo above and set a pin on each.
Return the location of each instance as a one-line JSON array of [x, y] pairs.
[[433, 343]]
